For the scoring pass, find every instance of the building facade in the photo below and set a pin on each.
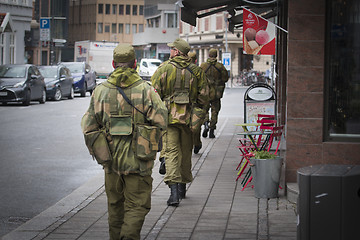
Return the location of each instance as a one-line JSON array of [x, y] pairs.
[[162, 27], [15, 20], [106, 20]]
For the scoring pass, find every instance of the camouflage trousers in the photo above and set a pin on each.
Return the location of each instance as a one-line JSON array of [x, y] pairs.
[[215, 106], [177, 152], [129, 201]]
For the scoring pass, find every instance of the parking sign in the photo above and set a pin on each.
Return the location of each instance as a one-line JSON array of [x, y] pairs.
[[226, 59], [44, 29]]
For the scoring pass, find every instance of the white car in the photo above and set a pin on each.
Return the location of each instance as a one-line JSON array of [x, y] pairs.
[[147, 67]]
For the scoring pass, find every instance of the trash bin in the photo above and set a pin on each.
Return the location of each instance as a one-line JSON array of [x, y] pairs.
[[266, 174]]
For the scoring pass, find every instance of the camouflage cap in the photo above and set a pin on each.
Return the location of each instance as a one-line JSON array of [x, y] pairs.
[[181, 45], [193, 56], [124, 53], [213, 52]]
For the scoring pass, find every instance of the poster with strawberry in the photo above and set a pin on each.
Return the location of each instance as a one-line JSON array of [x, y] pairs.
[[258, 34]]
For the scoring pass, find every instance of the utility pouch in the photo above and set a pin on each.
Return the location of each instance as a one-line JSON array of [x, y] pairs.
[[220, 91], [98, 146], [120, 125], [181, 97], [147, 141], [197, 117]]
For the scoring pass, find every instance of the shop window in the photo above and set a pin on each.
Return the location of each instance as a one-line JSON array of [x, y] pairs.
[[342, 74]]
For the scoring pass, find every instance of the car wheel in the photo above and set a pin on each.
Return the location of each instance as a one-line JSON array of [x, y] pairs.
[[71, 96], [58, 94], [27, 98], [42, 100], [83, 91]]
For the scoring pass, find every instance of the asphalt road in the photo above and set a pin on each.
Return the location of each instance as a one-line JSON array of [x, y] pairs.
[[43, 156]]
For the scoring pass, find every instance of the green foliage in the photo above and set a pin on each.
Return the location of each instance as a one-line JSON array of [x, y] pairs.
[[263, 155]]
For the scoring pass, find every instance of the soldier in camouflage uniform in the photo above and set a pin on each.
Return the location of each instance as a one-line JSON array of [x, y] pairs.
[[128, 181], [218, 76], [181, 85]]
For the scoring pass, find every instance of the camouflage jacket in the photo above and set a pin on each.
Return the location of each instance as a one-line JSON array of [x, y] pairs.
[[179, 71], [106, 102], [218, 70]]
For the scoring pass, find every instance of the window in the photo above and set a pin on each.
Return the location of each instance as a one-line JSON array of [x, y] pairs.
[[114, 8], [100, 8], [107, 28], [2, 48], [121, 28], [127, 9], [171, 20], [107, 8], [127, 28], [141, 10], [12, 48], [342, 101], [121, 9], [100, 27], [134, 28], [153, 22], [141, 28], [113, 28], [134, 10]]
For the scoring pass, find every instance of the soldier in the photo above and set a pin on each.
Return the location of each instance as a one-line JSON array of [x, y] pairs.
[[182, 86], [217, 76], [123, 108], [196, 135]]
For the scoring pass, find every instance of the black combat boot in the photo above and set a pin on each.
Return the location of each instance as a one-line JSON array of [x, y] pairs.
[[212, 135], [174, 195], [162, 168], [206, 129], [182, 190], [197, 149]]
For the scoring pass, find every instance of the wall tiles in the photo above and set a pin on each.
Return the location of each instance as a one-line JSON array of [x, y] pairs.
[[305, 105]]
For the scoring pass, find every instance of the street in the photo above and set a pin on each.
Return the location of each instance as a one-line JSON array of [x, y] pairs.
[[44, 158]]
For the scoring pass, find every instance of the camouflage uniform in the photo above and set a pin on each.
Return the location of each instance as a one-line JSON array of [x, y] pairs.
[[128, 181], [174, 79], [218, 73]]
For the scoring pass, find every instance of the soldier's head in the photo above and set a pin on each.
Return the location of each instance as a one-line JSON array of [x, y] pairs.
[[124, 56], [193, 57], [213, 53], [179, 48]]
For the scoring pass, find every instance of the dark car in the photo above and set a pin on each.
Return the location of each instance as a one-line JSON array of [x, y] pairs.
[[84, 77], [59, 82], [21, 83]]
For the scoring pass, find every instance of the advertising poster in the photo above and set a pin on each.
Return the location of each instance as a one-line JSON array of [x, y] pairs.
[[258, 34]]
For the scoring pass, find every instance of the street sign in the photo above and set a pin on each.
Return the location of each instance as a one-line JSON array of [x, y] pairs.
[[226, 59], [44, 29]]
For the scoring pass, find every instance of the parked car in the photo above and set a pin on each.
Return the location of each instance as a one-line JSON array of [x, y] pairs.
[[84, 77], [147, 67], [21, 83], [59, 82]]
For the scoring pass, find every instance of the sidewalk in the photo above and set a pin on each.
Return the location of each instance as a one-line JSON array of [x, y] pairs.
[[214, 208]]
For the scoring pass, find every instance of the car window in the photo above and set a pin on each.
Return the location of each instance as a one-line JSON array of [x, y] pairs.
[[144, 64], [75, 67], [62, 72], [31, 71], [154, 64], [48, 72], [67, 72], [12, 71], [87, 67]]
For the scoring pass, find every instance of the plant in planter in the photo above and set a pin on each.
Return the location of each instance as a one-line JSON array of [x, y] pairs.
[[266, 169]]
